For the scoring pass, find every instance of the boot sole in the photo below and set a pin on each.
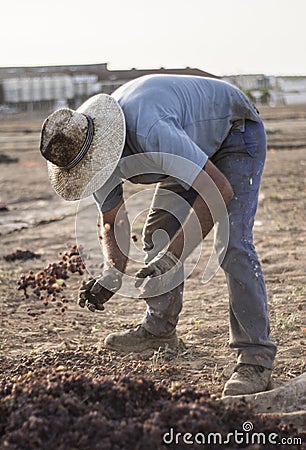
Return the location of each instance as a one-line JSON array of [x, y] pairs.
[[268, 388]]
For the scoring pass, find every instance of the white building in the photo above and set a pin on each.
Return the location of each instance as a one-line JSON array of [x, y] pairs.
[[271, 89]]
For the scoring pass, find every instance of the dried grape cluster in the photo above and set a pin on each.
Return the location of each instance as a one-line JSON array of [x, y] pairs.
[[49, 283], [21, 255]]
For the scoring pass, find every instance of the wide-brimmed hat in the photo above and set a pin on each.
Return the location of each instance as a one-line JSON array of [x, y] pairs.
[[83, 147]]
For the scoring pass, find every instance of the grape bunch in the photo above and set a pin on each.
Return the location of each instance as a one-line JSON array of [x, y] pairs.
[[49, 283]]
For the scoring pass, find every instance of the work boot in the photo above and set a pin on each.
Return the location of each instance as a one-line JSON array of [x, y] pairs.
[[248, 379], [139, 339]]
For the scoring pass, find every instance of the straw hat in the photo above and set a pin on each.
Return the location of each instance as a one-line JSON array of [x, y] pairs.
[[83, 147]]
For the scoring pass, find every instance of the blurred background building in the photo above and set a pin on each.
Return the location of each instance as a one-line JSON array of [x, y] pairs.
[[47, 88], [271, 90], [51, 87]]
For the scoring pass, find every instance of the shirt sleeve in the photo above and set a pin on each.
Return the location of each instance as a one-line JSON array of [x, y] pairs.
[[174, 152], [109, 195]]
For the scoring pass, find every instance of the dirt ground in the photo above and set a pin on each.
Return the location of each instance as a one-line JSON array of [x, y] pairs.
[[35, 335]]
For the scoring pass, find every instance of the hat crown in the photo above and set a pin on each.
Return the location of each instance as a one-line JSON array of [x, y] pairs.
[[83, 147], [63, 135]]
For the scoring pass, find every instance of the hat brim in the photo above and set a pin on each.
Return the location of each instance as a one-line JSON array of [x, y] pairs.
[[103, 155]]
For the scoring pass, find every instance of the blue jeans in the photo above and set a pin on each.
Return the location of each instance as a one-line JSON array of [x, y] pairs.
[[241, 159]]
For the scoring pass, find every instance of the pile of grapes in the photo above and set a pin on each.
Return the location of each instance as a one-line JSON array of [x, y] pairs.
[[49, 284], [65, 410]]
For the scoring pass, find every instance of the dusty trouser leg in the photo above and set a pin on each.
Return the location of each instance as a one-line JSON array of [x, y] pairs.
[[241, 159], [169, 209]]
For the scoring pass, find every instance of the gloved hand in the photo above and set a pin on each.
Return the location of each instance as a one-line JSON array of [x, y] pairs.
[[159, 281], [95, 293]]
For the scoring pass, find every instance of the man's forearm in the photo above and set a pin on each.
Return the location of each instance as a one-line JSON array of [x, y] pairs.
[[116, 238], [114, 255], [196, 227], [214, 192]]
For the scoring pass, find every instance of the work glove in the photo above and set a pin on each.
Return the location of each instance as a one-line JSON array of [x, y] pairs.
[[95, 293], [158, 281]]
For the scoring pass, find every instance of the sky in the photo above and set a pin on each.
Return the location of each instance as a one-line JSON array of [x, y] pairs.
[[223, 37]]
